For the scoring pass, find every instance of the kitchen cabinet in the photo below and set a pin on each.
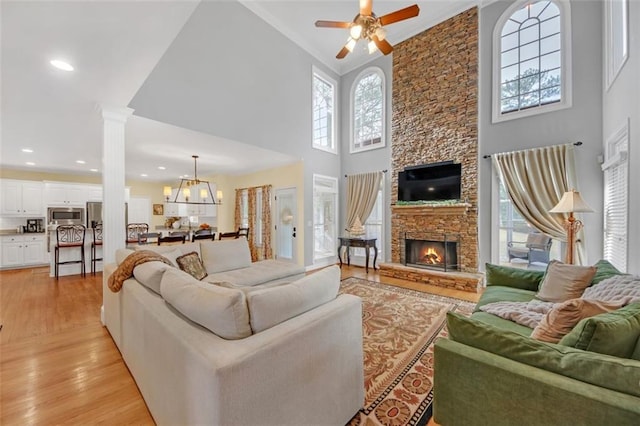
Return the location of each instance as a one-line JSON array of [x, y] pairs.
[[22, 250], [21, 198], [94, 193], [62, 194]]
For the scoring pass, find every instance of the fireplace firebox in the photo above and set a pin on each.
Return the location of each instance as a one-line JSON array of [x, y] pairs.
[[432, 254]]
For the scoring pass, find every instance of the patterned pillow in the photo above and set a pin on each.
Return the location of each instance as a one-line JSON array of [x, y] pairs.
[[191, 264]]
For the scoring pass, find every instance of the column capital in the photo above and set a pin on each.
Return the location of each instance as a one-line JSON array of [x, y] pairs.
[[120, 114]]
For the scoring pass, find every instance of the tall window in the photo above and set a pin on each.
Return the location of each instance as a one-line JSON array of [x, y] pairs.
[[325, 216], [367, 120], [324, 96], [616, 198], [532, 59]]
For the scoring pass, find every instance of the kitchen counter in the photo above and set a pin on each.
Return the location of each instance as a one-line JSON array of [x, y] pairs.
[[15, 232]]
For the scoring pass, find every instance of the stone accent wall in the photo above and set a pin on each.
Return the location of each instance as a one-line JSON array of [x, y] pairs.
[[435, 118]]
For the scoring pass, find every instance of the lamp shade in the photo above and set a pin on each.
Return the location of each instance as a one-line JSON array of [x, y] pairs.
[[571, 202]]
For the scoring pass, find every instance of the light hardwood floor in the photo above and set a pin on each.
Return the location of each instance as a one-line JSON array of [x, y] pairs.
[[58, 364]]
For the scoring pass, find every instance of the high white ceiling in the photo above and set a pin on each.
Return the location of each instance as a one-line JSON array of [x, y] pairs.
[[114, 46]]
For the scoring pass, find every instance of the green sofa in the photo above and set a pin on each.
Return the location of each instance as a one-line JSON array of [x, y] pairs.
[[490, 372]]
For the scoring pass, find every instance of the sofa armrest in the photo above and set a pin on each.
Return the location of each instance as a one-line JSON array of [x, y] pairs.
[[484, 384]]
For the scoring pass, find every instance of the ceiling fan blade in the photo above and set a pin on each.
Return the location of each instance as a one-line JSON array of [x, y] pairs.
[[333, 24], [383, 45], [365, 7], [341, 54], [400, 15]]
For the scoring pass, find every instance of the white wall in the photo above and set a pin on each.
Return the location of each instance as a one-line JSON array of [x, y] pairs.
[[622, 102], [581, 122]]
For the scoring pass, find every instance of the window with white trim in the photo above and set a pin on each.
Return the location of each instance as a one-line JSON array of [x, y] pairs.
[[368, 110], [325, 216], [532, 58], [324, 105], [616, 198]]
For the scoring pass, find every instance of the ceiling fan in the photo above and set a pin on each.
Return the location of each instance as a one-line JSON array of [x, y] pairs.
[[366, 25]]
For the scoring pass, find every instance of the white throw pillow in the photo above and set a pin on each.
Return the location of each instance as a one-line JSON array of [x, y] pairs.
[[271, 306], [225, 255], [221, 310], [121, 254]]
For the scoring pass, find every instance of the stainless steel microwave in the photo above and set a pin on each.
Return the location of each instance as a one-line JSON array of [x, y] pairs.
[[66, 215]]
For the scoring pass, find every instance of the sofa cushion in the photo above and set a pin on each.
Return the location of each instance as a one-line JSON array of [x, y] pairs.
[[604, 270], [501, 323], [563, 282], [505, 276], [150, 274], [221, 310], [563, 317], [183, 248], [192, 265], [609, 372], [271, 306], [225, 255], [614, 333], [259, 273], [503, 294]]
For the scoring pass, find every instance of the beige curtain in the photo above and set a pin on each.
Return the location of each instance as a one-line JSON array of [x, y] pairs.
[[362, 190], [238, 211], [252, 223], [535, 180], [267, 251]]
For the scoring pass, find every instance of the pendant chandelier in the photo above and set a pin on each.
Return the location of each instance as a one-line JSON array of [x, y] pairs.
[[200, 188]]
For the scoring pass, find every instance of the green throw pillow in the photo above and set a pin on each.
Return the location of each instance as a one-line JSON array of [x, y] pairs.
[[617, 374], [604, 270], [614, 333], [524, 279]]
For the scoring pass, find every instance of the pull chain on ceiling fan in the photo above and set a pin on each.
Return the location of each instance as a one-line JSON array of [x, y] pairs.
[[367, 26]]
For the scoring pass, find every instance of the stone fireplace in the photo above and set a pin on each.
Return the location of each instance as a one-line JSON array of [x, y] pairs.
[[435, 119]]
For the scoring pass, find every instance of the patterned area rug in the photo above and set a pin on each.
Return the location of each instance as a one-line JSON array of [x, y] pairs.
[[399, 328]]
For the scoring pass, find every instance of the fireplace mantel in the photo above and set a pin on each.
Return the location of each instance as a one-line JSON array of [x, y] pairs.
[[426, 209]]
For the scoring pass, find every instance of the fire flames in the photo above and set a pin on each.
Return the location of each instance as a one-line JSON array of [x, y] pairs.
[[431, 257]]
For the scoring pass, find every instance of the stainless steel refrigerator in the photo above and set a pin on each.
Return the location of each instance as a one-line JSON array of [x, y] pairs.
[[94, 213]]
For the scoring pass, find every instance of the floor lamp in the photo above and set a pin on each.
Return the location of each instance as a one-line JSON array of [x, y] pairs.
[[571, 202]]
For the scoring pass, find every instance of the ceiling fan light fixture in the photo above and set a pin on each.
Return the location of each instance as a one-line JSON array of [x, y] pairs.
[[355, 31], [381, 33], [351, 43], [372, 46]]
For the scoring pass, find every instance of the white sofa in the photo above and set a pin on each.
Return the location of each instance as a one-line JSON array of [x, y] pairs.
[[201, 353]]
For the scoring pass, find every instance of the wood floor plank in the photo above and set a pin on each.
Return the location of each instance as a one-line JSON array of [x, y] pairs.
[[59, 365]]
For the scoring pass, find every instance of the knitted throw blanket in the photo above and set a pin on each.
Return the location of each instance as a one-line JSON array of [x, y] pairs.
[[617, 291], [124, 271]]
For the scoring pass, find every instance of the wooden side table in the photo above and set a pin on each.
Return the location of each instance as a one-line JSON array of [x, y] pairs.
[[366, 243]]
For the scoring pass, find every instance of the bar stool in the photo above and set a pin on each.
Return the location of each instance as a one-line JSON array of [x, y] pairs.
[[97, 242], [133, 229], [68, 236]]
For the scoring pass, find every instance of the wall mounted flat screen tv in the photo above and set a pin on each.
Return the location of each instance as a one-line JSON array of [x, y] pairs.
[[430, 182]]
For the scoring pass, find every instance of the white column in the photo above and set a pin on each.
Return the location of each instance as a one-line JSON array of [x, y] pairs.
[[113, 181]]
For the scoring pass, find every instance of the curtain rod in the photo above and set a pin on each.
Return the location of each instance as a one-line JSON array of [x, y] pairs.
[[384, 171], [575, 144]]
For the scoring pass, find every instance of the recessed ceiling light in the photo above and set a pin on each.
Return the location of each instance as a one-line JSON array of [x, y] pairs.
[[81, 162], [143, 175], [30, 163], [27, 150], [162, 168], [93, 170], [61, 65]]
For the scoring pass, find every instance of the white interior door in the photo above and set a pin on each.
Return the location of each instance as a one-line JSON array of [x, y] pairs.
[[285, 223]]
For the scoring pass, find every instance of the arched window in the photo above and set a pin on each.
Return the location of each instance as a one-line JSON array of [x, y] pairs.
[[367, 111], [532, 59]]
